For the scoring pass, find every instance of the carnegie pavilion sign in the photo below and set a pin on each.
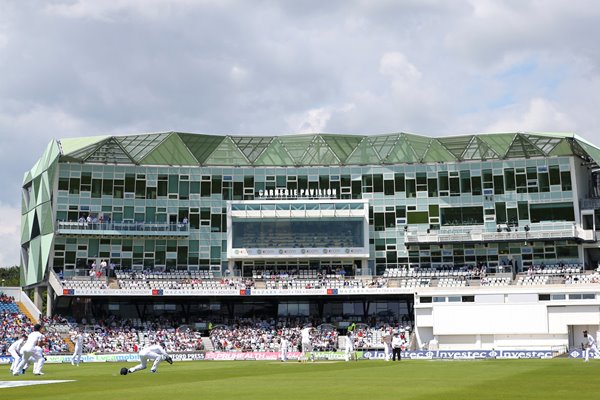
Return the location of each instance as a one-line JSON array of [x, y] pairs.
[[298, 194]]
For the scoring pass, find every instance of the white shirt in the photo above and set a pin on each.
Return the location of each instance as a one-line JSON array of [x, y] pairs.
[[397, 342], [591, 341], [306, 335], [283, 345], [78, 339], [32, 340], [349, 342], [386, 338], [15, 346]]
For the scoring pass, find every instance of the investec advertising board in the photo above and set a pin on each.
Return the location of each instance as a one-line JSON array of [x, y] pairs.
[[321, 355]]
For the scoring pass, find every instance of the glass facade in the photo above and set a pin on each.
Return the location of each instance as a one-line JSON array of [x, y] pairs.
[[421, 197], [418, 186]]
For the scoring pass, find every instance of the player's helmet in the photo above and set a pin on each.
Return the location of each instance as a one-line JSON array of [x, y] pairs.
[[124, 371]]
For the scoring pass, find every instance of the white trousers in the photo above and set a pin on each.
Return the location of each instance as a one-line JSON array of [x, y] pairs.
[[36, 355], [144, 358], [76, 358], [587, 352], [16, 359], [387, 351]]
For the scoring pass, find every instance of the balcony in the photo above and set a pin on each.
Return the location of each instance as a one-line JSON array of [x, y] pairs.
[[590, 203], [541, 232], [122, 229]]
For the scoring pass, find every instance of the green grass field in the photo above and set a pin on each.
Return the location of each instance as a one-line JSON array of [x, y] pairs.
[[562, 379]]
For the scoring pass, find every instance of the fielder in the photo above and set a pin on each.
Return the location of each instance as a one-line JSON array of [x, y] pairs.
[[77, 339], [349, 350], [14, 350], [590, 345], [155, 353], [307, 347], [32, 350], [283, 349], [386, 339]]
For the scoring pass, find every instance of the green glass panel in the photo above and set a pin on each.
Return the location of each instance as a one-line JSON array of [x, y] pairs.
[[252, 146], [172, 151], [83, 153], [46, 249], [27, 178], [456, 145], [577, 150], [521, 147], [51, 173], [499, 142], [139, 146], [419, 144], [275, 154], [110, 151], [47, 225], [319, 153], [34, 262], [544, 143], [342, 145], [53, 154], [24, 205], [479, 150], [384, 144], [227, 153], [35, 171], [201, 146], [76, 145], [403, 152], [296, 146], [437, 153], [562, 149], [592, 151], [45, 188], [37, 184], [25, 229], [364, 154]]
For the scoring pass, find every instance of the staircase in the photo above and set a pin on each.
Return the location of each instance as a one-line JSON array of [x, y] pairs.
[[25, 311], [69, 343], [208, 346]]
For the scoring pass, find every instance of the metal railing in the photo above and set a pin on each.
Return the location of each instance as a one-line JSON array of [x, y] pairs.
[[120, 227]]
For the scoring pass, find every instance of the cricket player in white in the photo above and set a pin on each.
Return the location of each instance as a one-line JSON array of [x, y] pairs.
[[77, 339], [349, 350], [590, 345], [307, 348], [283, 349], [155, 353], [29, 351], [386, 338], [14, 350]]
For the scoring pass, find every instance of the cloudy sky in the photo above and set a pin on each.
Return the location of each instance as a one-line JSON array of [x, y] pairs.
[[72, 68]]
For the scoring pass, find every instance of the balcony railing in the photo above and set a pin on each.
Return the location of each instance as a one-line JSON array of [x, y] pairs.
[[121, 228], [544, 232], [590, 203]]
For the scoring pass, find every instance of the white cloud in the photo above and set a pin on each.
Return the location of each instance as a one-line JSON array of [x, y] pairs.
[[310, 121], [433, 67], [399, 69], [539, 115], [10, 235], [116, 9]]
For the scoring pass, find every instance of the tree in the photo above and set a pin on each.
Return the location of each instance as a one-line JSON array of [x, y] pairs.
[[10, 276]]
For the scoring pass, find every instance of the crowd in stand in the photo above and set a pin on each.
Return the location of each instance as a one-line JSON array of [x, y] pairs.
[[252, 335], [6, 299], [13, 324]]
